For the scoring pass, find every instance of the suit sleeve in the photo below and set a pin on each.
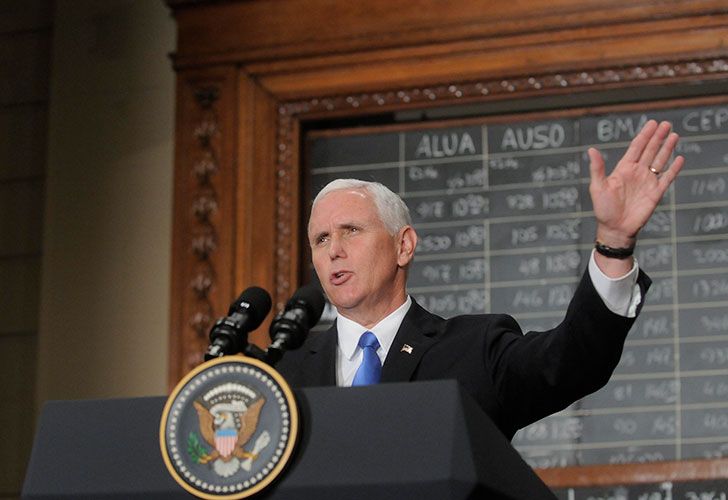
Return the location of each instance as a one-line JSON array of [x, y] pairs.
[[540, 373]]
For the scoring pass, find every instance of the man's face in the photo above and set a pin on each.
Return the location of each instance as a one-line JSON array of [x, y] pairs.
[[360, 265]]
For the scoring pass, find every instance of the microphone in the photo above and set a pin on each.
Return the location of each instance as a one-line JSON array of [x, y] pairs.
[[290, 327], [229, 335]]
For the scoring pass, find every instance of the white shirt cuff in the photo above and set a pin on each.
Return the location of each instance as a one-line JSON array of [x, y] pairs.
[[621, 295]]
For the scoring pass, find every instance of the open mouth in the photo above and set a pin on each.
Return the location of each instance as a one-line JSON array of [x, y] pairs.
[[339, 277]]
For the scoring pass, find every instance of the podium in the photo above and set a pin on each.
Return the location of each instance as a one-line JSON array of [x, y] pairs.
[[424, 440]]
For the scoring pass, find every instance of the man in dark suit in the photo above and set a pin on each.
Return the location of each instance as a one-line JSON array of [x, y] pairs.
[[362, 243]]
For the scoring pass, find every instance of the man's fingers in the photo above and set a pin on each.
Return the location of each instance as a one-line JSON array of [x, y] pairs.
[[669, 175], [663, 156], [638, 144], [596, 166], [655, 146]]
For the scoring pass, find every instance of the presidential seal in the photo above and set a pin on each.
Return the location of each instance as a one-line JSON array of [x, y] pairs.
[[228, 428]]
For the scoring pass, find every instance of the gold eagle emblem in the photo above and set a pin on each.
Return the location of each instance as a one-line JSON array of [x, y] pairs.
[[228, 428]]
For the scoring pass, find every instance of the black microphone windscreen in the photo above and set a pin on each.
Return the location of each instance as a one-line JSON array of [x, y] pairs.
[[313, 298], [254, 301]]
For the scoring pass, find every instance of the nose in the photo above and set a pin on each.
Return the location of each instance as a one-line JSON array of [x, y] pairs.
[[336, 248]]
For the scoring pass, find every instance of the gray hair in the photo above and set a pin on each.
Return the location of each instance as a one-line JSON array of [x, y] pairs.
[[392, 210]]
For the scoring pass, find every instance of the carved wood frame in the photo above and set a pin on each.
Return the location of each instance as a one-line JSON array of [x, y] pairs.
[[226, 183]]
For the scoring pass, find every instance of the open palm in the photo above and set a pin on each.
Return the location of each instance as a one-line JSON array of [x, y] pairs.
[[625, 200]]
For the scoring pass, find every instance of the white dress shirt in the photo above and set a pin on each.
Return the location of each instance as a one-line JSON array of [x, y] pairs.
[[620, 295], [349, 354]]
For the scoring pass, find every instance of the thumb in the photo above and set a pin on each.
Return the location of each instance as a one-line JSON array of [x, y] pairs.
[[596, 166]]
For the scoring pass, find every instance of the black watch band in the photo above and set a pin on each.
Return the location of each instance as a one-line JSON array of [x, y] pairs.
[[613, 253]]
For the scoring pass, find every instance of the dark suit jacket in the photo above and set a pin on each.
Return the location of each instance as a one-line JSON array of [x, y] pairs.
[[517, 379]]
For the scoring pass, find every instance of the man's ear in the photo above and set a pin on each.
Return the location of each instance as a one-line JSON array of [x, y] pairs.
[[406, 244]]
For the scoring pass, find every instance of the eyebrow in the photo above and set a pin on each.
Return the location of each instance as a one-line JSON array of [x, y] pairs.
[[318, 235], [342, 225]]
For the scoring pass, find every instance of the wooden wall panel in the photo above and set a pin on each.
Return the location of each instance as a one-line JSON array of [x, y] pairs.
[[527, 56], [271, 29], [256, 203]]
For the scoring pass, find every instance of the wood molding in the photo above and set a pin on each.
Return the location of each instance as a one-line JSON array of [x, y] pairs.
[[269, 30], [653, 472], [532, 85], [329, 76], [202, 254]]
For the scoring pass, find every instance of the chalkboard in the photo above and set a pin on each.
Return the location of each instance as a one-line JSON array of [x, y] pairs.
[[505, 224]]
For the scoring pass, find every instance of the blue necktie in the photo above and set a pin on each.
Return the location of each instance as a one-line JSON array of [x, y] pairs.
[[370, 369]]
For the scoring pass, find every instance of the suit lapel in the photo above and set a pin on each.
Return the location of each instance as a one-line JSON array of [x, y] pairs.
[[320, 366], [414, 337]]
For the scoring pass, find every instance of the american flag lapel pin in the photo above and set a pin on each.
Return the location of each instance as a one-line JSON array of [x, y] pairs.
[[406, 348]]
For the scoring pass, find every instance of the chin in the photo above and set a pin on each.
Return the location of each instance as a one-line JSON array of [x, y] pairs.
[[343, 301]]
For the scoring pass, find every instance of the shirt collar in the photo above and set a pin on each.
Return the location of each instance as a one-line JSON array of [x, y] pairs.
[[349, 331]]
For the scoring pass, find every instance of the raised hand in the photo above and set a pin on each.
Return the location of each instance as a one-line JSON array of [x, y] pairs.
[[625, 200]]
